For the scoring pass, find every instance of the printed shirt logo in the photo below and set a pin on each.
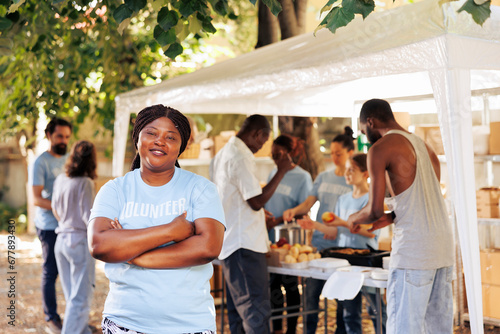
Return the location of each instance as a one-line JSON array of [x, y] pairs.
[[333, 189], [168, 208], [284, 189]]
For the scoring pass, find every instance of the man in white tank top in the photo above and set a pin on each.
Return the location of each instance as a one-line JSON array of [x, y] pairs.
[[419, 291]]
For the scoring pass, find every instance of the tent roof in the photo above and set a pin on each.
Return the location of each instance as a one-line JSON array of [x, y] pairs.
[[319, 75]]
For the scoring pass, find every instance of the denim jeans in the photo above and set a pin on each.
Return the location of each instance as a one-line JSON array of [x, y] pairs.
[[248, 301], [420, 301], [49, 273], [313, 292], [290, 283]]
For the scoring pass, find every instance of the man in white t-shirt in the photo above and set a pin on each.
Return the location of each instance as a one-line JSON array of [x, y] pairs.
[[246, 239]]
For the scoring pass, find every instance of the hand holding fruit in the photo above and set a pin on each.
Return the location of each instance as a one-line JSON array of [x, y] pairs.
[[328, 218]]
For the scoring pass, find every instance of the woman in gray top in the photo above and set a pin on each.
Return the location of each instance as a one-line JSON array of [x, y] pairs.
[[72, 199]]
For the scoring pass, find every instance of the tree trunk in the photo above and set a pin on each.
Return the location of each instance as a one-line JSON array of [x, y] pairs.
[[268, 27], [292, 23]]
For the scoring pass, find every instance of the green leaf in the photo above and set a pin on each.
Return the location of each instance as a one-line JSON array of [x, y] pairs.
[[188, 7], [194, 24], [136, 5], [220, 7], [337, 18], [56, 2], [4, 3], [359, 6], [253, 2], [163, 37], [123, 25], [121, 13], [206, 23], [15, 5], [480, 13], [274, 6], [174, 50], [5, 23], [328, 6], [167, 18]]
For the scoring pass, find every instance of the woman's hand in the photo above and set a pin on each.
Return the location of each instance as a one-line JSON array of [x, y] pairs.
[[306, 223], [182, 228], [289, 214]]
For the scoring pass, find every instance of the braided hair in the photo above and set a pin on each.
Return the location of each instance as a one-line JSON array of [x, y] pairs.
[[293, 145], [345, 139], [150, 114]]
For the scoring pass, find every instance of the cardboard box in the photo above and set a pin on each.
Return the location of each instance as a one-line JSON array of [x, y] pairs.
[[384, 244], [488, 201], [275, 256], [403, 118], [491, 296], [265, 151], [221, 139], [490, 267], [495, 138], [432, 136]]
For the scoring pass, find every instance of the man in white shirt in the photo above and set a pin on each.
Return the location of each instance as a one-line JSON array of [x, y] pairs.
[[246, 239]]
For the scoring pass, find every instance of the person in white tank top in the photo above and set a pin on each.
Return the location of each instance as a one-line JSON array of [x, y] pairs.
[[419, 291]]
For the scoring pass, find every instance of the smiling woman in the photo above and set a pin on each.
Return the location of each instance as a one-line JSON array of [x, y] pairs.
[[158, 228]]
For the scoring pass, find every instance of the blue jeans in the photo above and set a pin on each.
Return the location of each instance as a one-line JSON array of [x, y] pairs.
[[420, 301], [290, 283], [313, 292], [248, 301], [49, 273]]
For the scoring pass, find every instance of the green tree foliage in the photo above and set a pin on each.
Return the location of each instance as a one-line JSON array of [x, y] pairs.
[[72, 58]]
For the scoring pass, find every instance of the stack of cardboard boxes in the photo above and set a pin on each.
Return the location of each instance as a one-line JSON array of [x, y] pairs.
[[488, 201], [490, 279]]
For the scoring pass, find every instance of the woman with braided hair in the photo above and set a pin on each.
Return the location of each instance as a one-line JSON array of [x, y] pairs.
[[158, 228]]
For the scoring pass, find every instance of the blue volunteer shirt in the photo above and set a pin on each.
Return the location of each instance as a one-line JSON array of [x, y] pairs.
[[293, 189], [159, 300], [44, 171], [327, 188], [346, 206]]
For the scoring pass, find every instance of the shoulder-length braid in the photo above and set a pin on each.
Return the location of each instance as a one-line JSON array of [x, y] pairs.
[[148, 115]]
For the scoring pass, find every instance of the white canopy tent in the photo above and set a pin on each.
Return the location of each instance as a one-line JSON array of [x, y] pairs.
[[421, 50]]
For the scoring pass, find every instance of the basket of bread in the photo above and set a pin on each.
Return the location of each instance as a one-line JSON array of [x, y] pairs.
[[294, 256]]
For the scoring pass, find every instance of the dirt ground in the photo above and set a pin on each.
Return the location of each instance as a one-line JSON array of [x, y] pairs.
[[28, 309]]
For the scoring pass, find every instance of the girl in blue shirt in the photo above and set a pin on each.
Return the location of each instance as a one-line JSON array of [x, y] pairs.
[[356, 174]]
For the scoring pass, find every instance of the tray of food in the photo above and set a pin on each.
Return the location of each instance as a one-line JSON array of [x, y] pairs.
[[357, 256]]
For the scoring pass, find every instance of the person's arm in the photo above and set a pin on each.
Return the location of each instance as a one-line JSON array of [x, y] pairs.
[[201, 248], [284, 164], [108, 244], [374, 210], [38, 200], [307, 223], [301, 209]]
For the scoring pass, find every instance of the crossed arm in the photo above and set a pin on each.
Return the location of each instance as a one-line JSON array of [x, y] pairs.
[[108, 242]]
